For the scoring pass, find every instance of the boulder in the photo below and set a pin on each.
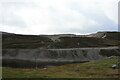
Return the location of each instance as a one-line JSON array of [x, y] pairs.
[[114, 66]]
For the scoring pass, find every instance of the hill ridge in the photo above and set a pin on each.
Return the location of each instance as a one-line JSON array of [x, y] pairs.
[[98, 39]]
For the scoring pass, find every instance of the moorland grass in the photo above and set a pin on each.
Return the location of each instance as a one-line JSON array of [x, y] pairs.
[[98, 69]]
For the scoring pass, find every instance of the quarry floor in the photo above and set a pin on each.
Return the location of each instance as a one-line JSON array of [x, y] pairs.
[[98, 69]]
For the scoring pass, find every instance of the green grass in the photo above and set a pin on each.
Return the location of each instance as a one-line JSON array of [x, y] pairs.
[[98, 69]]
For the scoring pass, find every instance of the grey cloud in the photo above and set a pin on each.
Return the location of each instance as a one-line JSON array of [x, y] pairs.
[[96, 15], [8, 9], [13, 21], [58, 22]]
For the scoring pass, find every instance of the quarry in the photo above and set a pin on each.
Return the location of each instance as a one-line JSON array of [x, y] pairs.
[[60, 55], [50, 50]]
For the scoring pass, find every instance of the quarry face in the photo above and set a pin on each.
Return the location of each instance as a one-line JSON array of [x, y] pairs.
[[47, 57]]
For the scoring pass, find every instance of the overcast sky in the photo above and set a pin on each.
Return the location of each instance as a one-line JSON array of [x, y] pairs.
[[58, 16]]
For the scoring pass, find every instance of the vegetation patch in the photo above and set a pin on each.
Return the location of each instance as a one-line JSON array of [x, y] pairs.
[[84, 52], [109, 53]]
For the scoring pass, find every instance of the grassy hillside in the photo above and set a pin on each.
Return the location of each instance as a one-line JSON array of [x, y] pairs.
[[98, 69], [40, 41], [107, 35], [77, 42], [24, 41], [113, 35]]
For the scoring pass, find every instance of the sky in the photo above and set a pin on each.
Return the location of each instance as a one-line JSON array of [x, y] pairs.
[[58, 16]]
